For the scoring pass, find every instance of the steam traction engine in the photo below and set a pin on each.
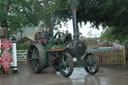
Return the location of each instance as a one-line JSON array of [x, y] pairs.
[[62, 53]]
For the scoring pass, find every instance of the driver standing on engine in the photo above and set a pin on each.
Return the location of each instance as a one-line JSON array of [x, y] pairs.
[[47, 34], [38, 35]]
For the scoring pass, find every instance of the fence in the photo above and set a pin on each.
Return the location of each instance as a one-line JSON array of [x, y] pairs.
[[111, 58], [107, 57], [110, 55], [22, 55]]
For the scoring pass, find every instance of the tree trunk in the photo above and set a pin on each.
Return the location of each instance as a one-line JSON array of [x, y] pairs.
[[3, 36], [4, 33]]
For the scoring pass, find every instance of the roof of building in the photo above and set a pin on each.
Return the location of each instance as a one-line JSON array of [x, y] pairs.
[[25, 39]]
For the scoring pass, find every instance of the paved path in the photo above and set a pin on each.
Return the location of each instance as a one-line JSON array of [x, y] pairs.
[[79, 77]]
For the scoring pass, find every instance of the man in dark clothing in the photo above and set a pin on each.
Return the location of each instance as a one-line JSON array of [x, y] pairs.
[[47, 34], [38, 36], [68, 36]]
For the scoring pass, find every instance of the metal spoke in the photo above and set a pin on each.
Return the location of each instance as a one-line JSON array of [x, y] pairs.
[[37, 64], [65, 61], [33, 64], [36, 53], [90, 68], [30, 50], [92, 64]]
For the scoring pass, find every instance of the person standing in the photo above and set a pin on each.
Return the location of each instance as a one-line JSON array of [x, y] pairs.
[[47, 34], [68, 36], [38, 35]]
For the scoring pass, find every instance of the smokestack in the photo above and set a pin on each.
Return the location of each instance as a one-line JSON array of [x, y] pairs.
[[74, 5]]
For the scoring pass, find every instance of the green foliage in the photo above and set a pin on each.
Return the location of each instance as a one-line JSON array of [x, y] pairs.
[[109, 13], [107, 34], [105, 12], [2, 72], [58, 11], [15, 14], [116, 34], [24, 46]]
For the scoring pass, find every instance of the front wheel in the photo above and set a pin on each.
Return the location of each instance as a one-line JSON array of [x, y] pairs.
[[92, 64], [66, 64]]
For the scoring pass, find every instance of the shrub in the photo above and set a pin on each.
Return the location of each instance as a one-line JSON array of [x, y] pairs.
[[23, 46]]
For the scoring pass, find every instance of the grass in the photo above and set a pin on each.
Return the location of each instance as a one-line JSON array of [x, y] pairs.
[[10, 71]]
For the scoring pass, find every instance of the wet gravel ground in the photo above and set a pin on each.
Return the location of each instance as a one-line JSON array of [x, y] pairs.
[[79, 77]]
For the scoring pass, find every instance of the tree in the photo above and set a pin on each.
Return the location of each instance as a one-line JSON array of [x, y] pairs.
[[105, 12], [116, 34], [15, 14], [112, 14], [56, 11], [108, 13]]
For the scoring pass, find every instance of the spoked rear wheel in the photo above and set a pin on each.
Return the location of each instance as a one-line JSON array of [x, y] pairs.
[[92, 64], [66, 64], [36, 58]]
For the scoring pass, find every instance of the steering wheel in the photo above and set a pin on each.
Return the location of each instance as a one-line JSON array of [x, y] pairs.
[[57, 37]]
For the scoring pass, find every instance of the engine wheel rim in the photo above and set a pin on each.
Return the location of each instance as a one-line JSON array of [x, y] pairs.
[[36, 57], [65, 68], [91, 64], [34, 60]]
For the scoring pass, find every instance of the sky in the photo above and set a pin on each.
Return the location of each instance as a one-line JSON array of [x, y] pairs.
[[84, 29]]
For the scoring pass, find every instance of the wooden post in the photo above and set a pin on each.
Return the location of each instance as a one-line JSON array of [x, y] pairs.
[[124, 55]]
